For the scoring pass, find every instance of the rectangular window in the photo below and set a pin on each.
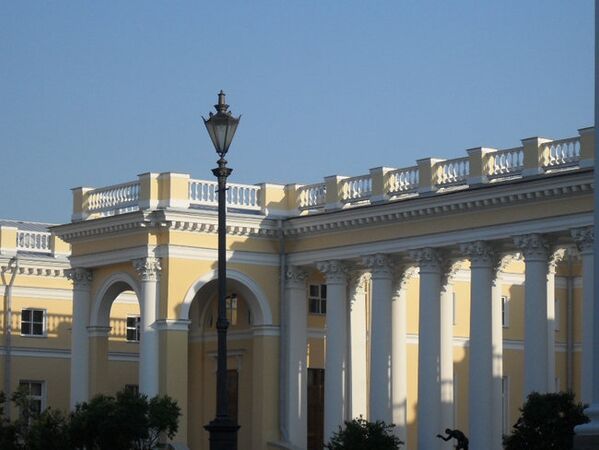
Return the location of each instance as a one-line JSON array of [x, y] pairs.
[[317, 299], [505, 405], [505, 311], [133, 328], [33, 322], [34, 390], [231, 302]]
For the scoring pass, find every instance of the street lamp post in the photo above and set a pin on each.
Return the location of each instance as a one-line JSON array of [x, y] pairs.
[[221, 128]]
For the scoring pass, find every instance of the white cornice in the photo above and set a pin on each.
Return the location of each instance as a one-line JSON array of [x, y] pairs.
[[444, 239], [475, 199]]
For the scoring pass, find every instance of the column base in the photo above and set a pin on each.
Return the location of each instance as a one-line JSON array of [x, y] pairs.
[[223, 433], [587, 435]]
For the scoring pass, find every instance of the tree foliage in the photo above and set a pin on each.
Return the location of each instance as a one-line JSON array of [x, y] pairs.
[[127, 421], [359, 434], [546, 422]]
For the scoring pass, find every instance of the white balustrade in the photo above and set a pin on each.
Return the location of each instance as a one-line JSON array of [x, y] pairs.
[[505, 163], [115, 199], [452, 171], [403, 181], [241, 196], [356, 189], [561, 153], [311, 196], [34, 241]]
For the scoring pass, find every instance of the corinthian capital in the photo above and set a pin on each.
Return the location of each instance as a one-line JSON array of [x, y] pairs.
[[428, 259], [334, 271], [584, 238], [533, 246], [380, 265], [81, 278], [295, 277], [148, 269], [480, 253]]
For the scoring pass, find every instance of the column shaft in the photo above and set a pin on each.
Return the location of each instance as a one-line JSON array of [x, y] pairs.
[[380, 339], [429, 349], [296, 344], [80, 362], [359, 376], [497, 343], [446, 360], [335, 387]]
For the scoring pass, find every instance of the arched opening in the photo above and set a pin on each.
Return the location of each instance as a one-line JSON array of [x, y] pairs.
[[245, 315], [114, 336]]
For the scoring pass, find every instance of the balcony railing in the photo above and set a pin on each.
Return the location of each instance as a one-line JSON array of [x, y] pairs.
[[34, 242], [535, 156]]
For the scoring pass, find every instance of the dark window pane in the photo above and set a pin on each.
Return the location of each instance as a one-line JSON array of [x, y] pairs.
[[38, 316], [313, 290], [35, 389], [323, 307], [131, 321], [25, 328], [38, 329], [323, 291], [131, 335], [26, 315]]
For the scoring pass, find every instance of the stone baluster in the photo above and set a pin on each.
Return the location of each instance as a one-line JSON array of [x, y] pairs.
[[80, 363], [296, 344], [429, 347], [380, 338], [148, 270], [584, 238], [335, 381], [536, 362]]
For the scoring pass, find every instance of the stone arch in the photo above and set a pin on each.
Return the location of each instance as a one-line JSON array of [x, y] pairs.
[[114, 285], [253, 294]]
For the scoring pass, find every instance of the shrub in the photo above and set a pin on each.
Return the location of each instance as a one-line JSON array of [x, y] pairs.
[[359, 434], [546, 422]]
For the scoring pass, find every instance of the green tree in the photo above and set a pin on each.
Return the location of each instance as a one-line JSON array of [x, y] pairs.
[[546, 422], [359, 434], [8, 432], [125, 422]]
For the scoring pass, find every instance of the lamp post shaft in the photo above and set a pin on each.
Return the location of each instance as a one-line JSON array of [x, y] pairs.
[[223, 429]]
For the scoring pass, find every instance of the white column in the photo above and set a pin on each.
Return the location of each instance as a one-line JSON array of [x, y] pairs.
[[536, 364], [399, 357], [554, 259], [429, 348], [446, 360], [480, 395], [79, 336], [296, 345], [335, 388], [380, 338], [148, 270], [359, 376], [497, 343], [584, 241]]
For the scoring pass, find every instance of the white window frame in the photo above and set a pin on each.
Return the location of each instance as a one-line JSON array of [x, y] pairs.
[[41, 397], [31, 322], [320, 299], [137, 328], [505, 311]]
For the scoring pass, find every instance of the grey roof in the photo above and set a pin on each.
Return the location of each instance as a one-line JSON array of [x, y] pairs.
[[26, 226]]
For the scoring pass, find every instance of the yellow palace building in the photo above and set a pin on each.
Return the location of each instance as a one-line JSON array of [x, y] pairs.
[[434, 296]]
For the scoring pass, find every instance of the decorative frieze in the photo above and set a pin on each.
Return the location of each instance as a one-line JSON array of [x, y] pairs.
[[295, 277], [148, 269], [584, 238], [80, 277]]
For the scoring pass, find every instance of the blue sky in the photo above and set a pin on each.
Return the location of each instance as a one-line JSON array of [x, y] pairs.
[[94, 93]]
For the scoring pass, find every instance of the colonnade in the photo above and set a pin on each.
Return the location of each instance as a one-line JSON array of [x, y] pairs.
[[345, 378]]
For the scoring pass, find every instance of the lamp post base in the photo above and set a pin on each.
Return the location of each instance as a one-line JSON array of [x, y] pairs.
[[223, 433]]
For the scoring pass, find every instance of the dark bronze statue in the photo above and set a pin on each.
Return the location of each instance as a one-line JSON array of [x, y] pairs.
[[461, 439]]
